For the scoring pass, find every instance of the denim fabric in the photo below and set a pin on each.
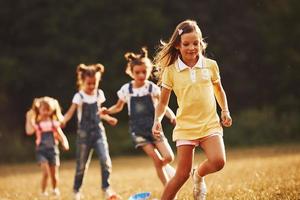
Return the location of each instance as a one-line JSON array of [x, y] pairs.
[[47, 150], [91, 136], [141, 114], [141, 119], [90, 119]]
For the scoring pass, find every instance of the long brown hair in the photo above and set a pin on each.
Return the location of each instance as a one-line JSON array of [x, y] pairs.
[[167, 53]]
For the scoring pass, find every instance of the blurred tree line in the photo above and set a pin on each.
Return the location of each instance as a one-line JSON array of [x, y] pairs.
[[254, 42]]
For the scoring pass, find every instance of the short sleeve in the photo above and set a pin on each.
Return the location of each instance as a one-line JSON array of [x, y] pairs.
[[167, 78], [101, 98], [123, 93], [155, 90], [77, 99], [215, 74]]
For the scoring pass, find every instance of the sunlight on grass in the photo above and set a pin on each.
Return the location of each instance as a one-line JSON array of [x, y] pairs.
[[260, 173]]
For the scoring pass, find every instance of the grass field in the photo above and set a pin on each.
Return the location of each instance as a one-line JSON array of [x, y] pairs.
[[270, 173]]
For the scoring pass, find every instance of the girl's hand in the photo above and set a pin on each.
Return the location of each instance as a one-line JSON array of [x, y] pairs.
[[226, 119], [173, 121], [112, 121], [66, 146], [103, 111], [156, 129]]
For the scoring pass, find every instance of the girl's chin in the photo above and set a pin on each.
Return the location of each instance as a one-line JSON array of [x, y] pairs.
[[90, 92]]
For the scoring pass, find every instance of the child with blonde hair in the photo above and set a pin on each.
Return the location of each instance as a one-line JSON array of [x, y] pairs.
[[91, 133], [43, 119], [196, 82], [141, 97]]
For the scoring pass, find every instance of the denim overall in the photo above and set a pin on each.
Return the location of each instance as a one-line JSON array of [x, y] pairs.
[[141, 117], [47, 150], [91, 135]]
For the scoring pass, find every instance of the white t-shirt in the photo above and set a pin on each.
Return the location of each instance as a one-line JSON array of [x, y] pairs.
[[125, 95], [97, 97]]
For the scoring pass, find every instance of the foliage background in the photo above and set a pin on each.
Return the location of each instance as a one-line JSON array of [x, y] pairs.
[[254, 42]]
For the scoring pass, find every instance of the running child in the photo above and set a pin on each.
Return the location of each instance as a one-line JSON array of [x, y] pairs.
[[141, 96], [196, 82], [91, 133]]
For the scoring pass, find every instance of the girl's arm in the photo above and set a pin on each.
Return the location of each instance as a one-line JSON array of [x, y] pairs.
[[170, 114], [118, 107], [222, 101], [69, 114], [109, 119], [29, 124], [62, 138], [160, 111]]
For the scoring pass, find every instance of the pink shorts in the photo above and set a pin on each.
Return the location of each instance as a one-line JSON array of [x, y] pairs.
[[195, 142]]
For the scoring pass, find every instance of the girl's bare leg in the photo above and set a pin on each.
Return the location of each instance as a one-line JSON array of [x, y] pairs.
[[185, 154], [150, 150], [54, 175], [45, 174], [165, 151], [214, 150]]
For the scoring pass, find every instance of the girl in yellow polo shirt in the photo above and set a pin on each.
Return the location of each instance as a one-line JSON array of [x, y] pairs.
[[196, 83]]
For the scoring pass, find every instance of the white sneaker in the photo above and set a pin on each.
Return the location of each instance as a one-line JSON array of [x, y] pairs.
[[110, 194], [199, 189], [56, 192], [170, 171], [44, 195], [77, 195]]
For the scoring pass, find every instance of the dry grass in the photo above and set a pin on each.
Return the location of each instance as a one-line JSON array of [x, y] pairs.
[[260, 173]]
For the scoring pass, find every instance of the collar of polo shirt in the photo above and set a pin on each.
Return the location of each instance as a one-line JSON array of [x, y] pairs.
[[182, 66]]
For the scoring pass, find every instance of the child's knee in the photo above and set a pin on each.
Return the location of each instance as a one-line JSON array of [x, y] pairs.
[[106, 164], [45, 175], [168, 159], [158, 163], [219, 163]]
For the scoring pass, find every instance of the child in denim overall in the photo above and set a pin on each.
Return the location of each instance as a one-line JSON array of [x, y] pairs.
[[42, 119], [141, 96], [196, 83], [91, 133]]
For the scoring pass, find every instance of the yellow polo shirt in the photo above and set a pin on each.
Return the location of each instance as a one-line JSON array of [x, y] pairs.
[[196, 116]]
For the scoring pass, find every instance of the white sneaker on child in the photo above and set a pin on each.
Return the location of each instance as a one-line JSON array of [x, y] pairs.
[[110, 194], [170, 171], [44, 195], [56, 192], [199, 189], [77, 195]]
